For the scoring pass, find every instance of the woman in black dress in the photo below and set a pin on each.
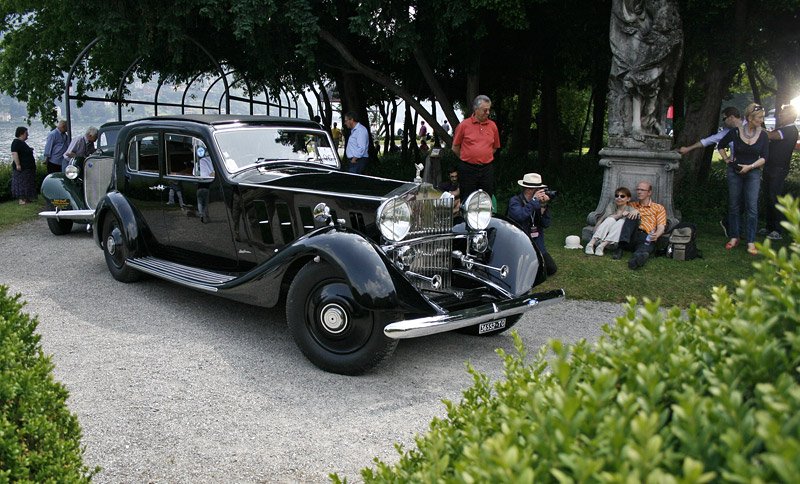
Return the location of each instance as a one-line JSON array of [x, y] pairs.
[[23, 178]]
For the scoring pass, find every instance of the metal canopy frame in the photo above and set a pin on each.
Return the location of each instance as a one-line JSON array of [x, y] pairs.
[[289, 109]]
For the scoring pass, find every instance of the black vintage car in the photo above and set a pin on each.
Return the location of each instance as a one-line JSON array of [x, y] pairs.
[[257, 209]]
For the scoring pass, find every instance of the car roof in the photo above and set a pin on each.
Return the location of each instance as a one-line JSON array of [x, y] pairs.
[[221, 120]]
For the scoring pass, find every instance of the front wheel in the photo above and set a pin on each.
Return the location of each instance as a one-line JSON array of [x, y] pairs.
[[117, 252], [56, 226], [331, 329]]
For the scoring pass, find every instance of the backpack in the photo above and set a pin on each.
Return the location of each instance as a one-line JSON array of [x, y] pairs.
[[683, 242]]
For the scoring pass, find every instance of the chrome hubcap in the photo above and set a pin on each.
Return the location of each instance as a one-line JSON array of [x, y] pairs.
[[111, 246], [333, 318]]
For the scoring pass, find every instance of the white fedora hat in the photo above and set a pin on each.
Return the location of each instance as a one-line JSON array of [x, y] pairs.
[[531, 180], [573, 242]]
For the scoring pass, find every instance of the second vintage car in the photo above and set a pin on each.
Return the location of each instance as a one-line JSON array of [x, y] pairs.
[[257, 209], [70, 196]]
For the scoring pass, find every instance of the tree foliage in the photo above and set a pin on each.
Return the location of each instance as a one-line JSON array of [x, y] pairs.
[[523, 53]]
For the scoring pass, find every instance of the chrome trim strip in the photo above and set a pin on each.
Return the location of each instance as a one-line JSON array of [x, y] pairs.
[[419, 240], [317, 192], [68, 214], [414, 328]]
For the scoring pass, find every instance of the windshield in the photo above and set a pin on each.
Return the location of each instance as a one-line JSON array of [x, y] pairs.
[[245, 147]]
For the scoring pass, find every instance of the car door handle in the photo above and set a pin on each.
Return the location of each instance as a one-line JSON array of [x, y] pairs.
[[160, 188]]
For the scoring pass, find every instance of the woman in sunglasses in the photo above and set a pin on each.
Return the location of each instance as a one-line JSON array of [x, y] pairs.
[[608, 231], [749, 154]]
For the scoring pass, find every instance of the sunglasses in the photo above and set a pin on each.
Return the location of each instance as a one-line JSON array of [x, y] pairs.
[[758, 108], [620, 195]]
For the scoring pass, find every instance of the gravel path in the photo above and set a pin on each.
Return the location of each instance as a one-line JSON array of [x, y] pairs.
[[173, 385]]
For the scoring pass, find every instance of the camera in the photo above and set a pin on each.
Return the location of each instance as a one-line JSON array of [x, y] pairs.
[[551, 194]]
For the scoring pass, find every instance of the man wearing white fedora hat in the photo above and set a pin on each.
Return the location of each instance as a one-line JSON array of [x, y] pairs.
[[530, 210]]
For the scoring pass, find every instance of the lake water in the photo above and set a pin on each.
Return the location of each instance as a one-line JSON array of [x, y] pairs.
[[37, 135]]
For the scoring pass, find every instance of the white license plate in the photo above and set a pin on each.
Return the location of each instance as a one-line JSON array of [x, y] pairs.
[[491, 326]]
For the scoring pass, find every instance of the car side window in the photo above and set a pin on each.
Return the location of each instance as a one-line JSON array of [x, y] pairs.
[[180, 154], [143, 153]]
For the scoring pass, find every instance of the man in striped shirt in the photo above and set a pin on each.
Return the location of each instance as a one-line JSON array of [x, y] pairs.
[[651, 225]]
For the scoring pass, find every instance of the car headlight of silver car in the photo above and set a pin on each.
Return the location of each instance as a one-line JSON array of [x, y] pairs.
[[71, 172], [478, 210], [394, 219]]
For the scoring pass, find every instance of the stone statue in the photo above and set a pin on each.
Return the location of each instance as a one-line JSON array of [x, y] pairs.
[[419, 167], [647, 47]]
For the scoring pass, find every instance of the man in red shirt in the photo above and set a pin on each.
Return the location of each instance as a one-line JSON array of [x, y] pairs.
[[475, 141]]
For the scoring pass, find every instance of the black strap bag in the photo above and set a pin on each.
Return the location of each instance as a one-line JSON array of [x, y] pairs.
[[683, 242]]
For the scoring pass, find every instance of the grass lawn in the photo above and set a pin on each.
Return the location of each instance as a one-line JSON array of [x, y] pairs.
[[678, 283], [12, 212]]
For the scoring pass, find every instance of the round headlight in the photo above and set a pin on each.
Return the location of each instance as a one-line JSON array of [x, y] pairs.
[[478, 210], [71, 172], [394, 219]]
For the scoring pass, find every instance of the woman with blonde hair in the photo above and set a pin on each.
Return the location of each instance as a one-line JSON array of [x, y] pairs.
[[749, 154]]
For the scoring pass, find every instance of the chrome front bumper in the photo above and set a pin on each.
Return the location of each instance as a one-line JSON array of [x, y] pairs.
[[68, 214], [414, 328]]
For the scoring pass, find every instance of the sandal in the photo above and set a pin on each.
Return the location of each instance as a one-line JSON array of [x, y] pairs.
[[751, 249], [731, 244]]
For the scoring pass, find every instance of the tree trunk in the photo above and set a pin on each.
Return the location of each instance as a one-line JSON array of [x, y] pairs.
[[473, 83], [787, 77], [598, 114], [327, 111], [549, 147], [383, 80], [436, 88], [679, 103], [701, 120], [309, 107], [752, 78], [393, 118], [521, 124]]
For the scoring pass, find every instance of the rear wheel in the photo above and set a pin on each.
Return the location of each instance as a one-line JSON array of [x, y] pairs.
[[117, 252], [56, 226], [331, 329]]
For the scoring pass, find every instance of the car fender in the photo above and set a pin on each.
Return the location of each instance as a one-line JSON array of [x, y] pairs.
[[63, 193], [509, 246], [115, 204], [375, 282]]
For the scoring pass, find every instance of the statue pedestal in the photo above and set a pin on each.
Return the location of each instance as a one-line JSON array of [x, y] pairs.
[[629, 164]]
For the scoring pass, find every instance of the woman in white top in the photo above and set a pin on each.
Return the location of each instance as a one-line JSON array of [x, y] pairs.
[[608, 231]]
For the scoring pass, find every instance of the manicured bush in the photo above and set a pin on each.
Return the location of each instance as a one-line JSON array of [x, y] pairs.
[[709, 394], [39, 437], [5, 179]]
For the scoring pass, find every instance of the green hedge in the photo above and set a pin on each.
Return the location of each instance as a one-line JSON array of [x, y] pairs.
[[39, 437], [710, 394], [5, 179]]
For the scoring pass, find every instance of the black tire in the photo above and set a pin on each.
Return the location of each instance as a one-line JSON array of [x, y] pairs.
[[473, 330], [56, 226], [331, 329], [116, 251]]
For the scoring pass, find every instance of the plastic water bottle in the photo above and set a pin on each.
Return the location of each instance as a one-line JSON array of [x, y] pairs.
[[649, 239]]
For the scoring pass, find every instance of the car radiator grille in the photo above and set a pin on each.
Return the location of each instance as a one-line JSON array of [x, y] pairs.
[[434, 257]]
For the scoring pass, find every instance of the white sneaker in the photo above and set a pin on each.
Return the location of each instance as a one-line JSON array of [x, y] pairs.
[[589, 249], [774, 235], [599, 251]]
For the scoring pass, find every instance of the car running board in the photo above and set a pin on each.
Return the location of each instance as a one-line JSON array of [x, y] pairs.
[[184, 275]]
